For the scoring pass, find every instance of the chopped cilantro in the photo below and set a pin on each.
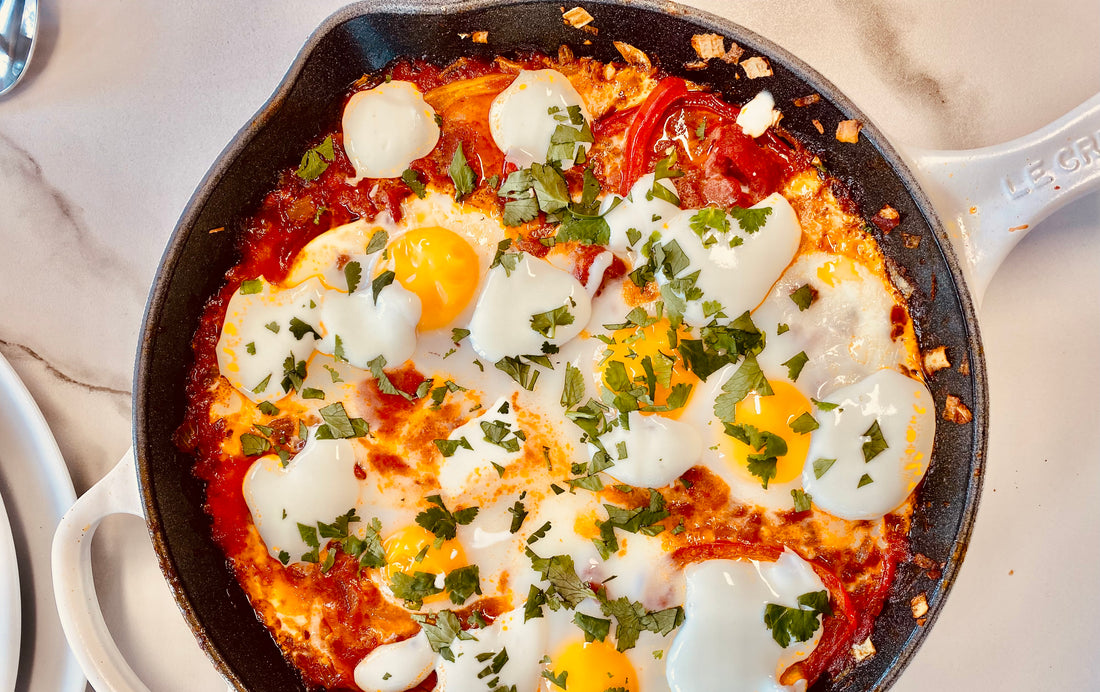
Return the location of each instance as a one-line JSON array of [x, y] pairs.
[[381, 281], [461, 174], [875, 445], [316, 160], [353, 273], [801, 500], [546, 323], [448, 447], [750, 220], [441, 522], [412, 179], [804, 296], [797, 624], [377, 241], [299, 329], [442, 629], [804, 423], [795, 364], [821, 466], [249, 286], [254, 445]]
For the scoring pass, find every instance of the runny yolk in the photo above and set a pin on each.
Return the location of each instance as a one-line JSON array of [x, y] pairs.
[[405, 545], [774, 414], [594, 667], [638, 348], [838, 270], [440, 267]]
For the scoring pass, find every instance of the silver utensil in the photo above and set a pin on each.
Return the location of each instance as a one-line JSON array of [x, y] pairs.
[[18, 26]]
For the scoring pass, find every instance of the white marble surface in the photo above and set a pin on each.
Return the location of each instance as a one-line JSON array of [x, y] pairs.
[[129, 102]]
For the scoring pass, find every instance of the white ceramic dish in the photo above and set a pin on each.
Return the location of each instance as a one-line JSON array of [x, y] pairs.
[[36, 485], [10, 607]]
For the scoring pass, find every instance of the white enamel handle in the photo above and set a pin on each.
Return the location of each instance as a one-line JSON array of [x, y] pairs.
[[989, 198], [74, 589]]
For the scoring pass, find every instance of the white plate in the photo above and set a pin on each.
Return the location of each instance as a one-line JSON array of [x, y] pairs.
[[36, 485], [10, 608]]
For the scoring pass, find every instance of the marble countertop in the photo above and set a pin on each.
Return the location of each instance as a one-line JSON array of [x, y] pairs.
[[129, 102]]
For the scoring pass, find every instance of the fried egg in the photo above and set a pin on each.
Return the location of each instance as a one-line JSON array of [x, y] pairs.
[[724, 643], [387, 128], [303, 491], [845, 331], [736, 267], [533, 113], [524, 307], [872, 448]]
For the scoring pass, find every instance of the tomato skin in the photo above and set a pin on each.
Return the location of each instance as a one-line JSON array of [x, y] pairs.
[[644, 128]]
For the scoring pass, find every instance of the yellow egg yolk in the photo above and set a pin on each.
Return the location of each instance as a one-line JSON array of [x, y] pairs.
[[774, 414], [440, 267], [405, 545], [639, 348], [837, 270], [594, 667]]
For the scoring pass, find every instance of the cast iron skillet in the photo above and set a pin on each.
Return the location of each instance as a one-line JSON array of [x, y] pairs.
[[363, 38]]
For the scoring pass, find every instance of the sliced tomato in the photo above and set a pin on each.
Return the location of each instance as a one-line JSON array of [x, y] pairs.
[[646, 128], [726, 550]]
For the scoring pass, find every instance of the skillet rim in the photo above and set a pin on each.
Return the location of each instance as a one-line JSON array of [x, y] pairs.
[[170, 261]]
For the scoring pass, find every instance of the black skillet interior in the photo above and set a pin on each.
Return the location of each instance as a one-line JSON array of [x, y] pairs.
[[363, 38]]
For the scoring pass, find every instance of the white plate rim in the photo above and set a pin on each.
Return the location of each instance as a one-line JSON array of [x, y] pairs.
[[18, 406], [10, 605]]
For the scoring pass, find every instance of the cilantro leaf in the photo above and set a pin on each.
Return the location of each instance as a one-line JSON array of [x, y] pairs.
[[546, 323], [795, 364], [254, 445], [441, 522], [804, 424], [338, 425], [748, 378], [412, 179], [520, 205], [249, 286], [709, 218], [550, 187], [801, 500], [462, 583], [385, 384], [442, 629], [750, 220], [824, 405], [821, 466], [631, 618], [804, 296], [294, 373], [594, 628], [573, 391], [448, 447], [299, 329], [519, 513], [876, 444], [353, 273], [769, 448], [865, 479], [378, 240], [316, 160], [381, 281], [461, 174], [797, 624]]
